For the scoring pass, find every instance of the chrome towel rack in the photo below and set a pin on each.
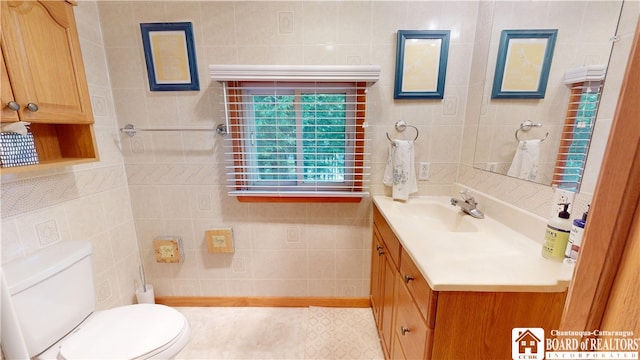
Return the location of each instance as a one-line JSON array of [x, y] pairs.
[[526, 126], [131, 130], [401, 126]]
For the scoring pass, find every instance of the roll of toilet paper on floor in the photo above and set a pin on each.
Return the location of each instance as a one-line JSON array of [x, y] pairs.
[[145, 297]]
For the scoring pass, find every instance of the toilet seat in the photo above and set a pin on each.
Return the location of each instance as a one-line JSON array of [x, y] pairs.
[[128, 332]]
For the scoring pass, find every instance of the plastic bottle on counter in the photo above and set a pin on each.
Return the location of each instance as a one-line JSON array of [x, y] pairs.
[[557, 235], [575, 239]]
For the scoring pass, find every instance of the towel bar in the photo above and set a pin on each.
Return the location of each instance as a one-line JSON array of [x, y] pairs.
[[526, 126], [131, 129], [401, 126]]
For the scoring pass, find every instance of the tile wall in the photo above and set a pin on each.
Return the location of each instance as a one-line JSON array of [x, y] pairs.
[[83, 202], [172, 183], [176, 179]]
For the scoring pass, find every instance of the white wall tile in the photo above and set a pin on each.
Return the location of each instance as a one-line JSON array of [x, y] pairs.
[[190, 166]]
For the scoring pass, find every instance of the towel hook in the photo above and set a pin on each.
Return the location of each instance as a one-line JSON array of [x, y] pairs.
[[526, 126], [401, 126]]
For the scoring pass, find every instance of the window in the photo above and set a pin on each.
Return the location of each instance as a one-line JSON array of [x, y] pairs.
[[576, 135], [296, 133], [297, 140]]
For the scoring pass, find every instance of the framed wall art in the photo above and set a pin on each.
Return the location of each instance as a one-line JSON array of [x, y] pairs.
[[421, 64], [523, 63], [169, 53]]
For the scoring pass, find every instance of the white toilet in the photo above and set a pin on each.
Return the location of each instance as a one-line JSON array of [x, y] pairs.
[[48, 305]]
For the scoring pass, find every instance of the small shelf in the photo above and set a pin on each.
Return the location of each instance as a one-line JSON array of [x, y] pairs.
[[60, 145]]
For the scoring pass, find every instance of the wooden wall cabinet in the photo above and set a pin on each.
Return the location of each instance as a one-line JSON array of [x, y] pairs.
[[428, 324], [43, 74]]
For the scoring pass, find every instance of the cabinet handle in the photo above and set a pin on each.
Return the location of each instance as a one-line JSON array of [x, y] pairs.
[[380, 252], [13, 105], [408, 278], [378, 247], [32, 107], [404, 330]]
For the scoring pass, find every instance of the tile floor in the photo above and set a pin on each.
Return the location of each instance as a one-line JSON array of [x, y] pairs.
[[281, 333]]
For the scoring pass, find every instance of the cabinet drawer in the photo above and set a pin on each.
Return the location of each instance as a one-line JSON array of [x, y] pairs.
[[417, 285], [390, 240], [410, 329]]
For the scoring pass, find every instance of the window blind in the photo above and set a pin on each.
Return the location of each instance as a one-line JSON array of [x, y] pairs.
[[296, 139], [576, 134], [296, 132]]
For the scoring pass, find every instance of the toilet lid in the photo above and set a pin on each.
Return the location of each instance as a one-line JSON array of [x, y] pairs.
[[125, 332]]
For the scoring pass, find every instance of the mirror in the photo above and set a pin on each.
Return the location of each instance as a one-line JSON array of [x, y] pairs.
[[584, 37]]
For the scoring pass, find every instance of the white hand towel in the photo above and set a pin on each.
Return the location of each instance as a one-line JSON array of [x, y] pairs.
[[20, 127], [400, 172], [525, 161]]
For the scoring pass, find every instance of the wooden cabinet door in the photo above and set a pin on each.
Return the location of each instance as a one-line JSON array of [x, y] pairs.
[[6, 96], [386, 330], [382, 290], [377, 277], [42, 54]]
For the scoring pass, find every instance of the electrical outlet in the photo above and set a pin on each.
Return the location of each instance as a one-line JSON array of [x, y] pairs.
[[423, 170]]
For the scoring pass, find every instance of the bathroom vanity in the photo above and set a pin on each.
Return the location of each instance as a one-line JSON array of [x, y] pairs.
[[448, 286]]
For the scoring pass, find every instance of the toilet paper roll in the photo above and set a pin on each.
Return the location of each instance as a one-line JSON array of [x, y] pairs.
[[145, 297]]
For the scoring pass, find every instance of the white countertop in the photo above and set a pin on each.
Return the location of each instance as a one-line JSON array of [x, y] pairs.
[[456, 252]]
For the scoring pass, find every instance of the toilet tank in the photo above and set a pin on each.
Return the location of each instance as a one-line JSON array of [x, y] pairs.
[[51, 291]]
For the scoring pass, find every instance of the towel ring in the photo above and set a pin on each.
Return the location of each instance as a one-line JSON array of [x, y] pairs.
[[526, 126], [401, 126]]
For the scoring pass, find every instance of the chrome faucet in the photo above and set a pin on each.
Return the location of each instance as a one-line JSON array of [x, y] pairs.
[[468, 204]]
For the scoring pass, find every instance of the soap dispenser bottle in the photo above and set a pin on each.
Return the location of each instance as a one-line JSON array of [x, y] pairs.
[[575, 239], [557, 235]]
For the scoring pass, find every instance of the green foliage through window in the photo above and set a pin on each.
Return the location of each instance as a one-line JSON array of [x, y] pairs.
[[307, 131]]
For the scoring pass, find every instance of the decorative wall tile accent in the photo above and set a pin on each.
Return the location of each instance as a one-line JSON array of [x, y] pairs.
[[204, 202], [47, 232], [31, 194], [285, 22], [103, 290], [237, 265], [450, 106], [175, 174], [99, 105]]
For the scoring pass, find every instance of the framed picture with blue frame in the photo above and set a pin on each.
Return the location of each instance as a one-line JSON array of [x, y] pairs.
[[169, 53], [421, 64], [523, 63]]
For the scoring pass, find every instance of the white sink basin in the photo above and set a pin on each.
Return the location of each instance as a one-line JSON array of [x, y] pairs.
[[455, 251], [438, 217]]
